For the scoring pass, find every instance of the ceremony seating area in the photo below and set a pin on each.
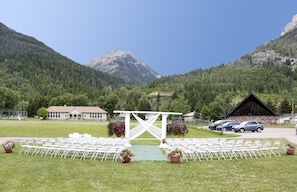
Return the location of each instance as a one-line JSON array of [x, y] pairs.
[[77, 146], [84, 146], [217, 149]]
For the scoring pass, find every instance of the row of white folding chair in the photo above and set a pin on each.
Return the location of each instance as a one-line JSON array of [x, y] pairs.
[[228, 150], [102, 140], [98, 150], [88, 150], [199, 148], [27, 145], [65, 149], [78, 135], [250, 149], [191, 151], [195, 140], [94, 140]]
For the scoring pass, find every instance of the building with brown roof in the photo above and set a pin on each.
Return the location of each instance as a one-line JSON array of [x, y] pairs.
[[76, 113], [252, 108]]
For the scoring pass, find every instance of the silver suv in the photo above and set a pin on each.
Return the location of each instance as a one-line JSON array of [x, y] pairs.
[[249, 126]]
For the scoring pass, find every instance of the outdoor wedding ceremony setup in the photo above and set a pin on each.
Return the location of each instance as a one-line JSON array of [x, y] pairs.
[[85, 146]]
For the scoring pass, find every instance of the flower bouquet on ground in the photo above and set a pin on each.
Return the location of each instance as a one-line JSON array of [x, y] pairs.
[[8, 146], [126, 155], [175, 155], [290, 148]]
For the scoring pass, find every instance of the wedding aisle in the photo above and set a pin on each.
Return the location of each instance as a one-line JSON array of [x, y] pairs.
[[148, 153]]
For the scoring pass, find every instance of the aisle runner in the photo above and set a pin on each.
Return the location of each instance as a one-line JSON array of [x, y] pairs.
[[148, 153]]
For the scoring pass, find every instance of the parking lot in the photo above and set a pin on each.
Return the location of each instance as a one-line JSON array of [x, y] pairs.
[[287, 133]]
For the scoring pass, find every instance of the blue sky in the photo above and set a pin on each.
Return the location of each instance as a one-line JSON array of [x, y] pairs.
[[170, 36]]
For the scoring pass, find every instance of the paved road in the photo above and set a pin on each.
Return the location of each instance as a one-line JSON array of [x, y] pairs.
[[287, 133]]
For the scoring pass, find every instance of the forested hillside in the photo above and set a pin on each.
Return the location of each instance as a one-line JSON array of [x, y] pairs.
[[268, 71], [33, 76], [35, 71]]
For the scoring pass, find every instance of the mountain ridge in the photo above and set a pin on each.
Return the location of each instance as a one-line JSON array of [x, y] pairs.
[[29, 66], [36, 71], [126, 65]]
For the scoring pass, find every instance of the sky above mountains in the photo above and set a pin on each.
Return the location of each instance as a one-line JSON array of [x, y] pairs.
[[170, 36]]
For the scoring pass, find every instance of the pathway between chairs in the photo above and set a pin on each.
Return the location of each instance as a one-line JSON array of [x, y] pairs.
[[148, 153]]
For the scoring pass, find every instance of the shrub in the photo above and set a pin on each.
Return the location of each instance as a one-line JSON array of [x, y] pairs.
[[42, 113], [176, 128], [116, 128]]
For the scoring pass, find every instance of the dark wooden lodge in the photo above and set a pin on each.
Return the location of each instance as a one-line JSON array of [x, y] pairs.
[[252, 108]]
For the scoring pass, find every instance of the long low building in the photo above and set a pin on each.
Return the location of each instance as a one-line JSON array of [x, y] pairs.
[[76, 113]]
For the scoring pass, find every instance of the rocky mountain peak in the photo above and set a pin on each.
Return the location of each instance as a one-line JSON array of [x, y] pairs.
[[124, 64], [290, 26]]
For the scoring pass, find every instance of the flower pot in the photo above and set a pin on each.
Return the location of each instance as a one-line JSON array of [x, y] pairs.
[[126, 159], [8, 150], [175, 159], [290, 151]]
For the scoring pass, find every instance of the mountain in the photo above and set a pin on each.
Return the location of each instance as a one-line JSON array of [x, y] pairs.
[[269, 71], [125, 65], [32, 69], [290, 26], [282, 50]]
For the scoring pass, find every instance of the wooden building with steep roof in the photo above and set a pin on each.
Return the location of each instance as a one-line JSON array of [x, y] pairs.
[[252, 108]]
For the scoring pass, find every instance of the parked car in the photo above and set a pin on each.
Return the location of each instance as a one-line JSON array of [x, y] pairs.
[[214, 125], [249, 126], [228, 126]]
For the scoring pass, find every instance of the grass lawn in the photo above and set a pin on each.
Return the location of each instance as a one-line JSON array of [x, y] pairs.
[[24, 173]]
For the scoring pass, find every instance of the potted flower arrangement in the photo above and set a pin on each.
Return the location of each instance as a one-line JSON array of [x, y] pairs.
[[175, 155], [290, 148], [8, 146], [126, 155]]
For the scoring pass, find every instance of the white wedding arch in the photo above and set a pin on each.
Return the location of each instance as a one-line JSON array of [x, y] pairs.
[[146, 125]]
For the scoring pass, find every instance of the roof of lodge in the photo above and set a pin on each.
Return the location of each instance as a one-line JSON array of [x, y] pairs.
[[82, 109], [251, 106]]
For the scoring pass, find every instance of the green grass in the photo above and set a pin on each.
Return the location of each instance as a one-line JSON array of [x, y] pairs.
[[24, 173]]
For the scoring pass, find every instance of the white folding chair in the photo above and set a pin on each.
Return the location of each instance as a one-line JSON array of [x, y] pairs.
[[190, 151], [30, 146], [265, 149], [99, 150], [110, 150], [119, 147], [39, 147], [88, 150], [23, 144], [274, 149]]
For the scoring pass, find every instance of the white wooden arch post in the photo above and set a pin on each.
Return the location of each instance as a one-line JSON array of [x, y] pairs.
[[159, 133]]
